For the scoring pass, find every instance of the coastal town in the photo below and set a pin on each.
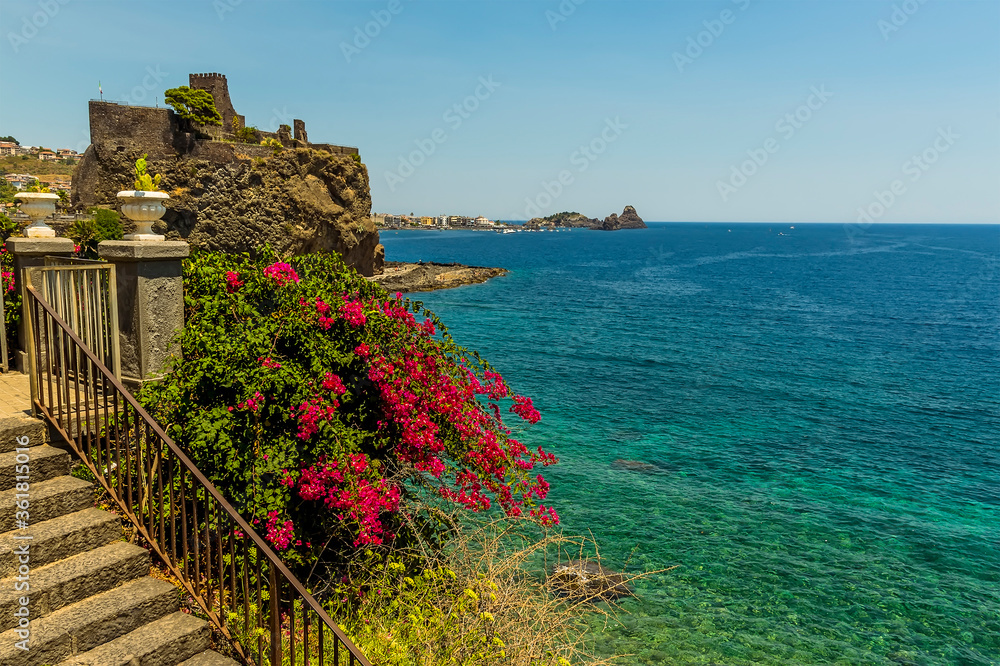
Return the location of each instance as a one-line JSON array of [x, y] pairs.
[[22, 166], [390, 221]]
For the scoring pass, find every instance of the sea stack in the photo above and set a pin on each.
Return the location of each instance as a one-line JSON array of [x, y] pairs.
[[629, 219]]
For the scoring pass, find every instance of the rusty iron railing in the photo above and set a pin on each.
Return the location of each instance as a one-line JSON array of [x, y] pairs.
[[236, 579], [84, 293]]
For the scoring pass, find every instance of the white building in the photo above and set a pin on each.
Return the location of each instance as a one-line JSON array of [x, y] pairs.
[[19, 180]]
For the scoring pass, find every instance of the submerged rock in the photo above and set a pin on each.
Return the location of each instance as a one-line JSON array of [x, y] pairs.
[[633, 465], [583, 579]]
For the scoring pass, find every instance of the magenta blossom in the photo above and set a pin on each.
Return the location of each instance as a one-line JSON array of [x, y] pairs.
[[281, 273]]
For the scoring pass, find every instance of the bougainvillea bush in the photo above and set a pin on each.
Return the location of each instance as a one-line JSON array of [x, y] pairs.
[[11, 298], [323, 407]]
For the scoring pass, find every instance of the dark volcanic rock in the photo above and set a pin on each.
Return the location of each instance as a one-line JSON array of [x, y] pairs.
[[583, 579], [298, 200], [565, 219], [430, 276], [629, 219]]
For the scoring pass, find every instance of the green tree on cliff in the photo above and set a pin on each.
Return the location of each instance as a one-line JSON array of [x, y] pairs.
[[192, 104]]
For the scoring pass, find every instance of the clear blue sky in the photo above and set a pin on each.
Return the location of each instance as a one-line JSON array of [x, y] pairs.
[[673, 130]]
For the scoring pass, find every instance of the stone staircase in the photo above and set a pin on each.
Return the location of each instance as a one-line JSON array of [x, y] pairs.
[[91, 599]]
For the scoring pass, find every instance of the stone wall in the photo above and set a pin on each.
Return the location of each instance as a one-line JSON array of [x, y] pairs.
[[217, 85], [156, 131], [335, 150]]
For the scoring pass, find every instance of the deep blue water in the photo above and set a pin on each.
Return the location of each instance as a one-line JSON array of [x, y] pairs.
[[821, 415]]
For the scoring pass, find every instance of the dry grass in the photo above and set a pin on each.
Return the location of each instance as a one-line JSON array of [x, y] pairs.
[[487, 599]]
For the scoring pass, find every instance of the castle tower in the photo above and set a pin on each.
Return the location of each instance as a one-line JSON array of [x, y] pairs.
[[218, 87]]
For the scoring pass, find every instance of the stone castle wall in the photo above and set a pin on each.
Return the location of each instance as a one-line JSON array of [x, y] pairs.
[[161, 132], [217, 85], [155, 131]]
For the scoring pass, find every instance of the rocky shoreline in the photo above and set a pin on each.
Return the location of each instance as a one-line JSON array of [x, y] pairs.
[[431, 276]]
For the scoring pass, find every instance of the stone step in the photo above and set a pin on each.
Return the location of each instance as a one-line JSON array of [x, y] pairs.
[[47, 500], [58, 538], [91, 623], [44, 462], [168, 641], [12, 427], [212, 658], [73, 579]]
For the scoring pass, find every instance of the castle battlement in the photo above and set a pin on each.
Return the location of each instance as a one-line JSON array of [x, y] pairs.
[[160, 132]]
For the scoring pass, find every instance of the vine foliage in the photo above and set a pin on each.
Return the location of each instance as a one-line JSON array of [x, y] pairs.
[[324, 408]]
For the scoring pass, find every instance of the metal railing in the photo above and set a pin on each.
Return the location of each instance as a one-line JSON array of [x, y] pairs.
[[84, 294], [236, 579]]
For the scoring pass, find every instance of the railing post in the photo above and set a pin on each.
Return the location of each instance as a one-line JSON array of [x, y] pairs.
[[274, 594], [150, 304], [30, 252]]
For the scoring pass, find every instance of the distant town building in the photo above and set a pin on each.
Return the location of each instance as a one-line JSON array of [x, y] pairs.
[[46, 155], [8, 148], [19, 180]]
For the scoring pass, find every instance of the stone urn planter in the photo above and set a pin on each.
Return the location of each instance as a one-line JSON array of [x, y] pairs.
[[38, 206], [143, 208]]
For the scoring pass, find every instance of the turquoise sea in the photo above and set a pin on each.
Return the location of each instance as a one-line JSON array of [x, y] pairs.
[[819, 413]]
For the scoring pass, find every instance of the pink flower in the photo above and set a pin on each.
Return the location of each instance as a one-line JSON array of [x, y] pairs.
[[279, 535], [268, 363], [522, 407], [233, 282], [8, 281], [353, 312], [252, 404], [311, 414], [281, 273], [362, 350], [331, 382]]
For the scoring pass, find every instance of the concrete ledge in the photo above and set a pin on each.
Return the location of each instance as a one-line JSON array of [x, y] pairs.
[[142, 250], [39, 246]]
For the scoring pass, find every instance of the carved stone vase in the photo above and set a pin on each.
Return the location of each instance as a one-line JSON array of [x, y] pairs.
[[143, 208]]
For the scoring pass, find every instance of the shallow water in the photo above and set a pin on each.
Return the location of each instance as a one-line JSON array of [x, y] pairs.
[[820, 417]]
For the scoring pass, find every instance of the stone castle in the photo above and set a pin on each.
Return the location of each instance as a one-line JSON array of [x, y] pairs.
[[161, 132], [227, 191]]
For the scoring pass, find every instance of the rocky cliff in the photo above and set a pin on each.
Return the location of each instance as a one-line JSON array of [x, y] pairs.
[[564, 219], [297, 200], [629, 219]]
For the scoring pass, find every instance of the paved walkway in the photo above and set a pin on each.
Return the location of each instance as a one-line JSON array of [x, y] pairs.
[[15, 395]]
